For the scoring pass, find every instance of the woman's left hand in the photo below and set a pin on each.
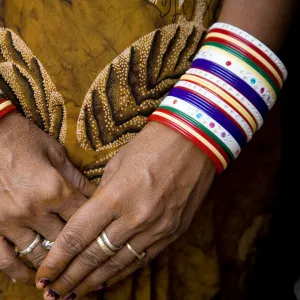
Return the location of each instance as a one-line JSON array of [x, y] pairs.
[[149, 193]]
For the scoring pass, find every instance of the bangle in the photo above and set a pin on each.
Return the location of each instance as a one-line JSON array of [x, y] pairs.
[[256, 44], [6, 107], [213, 112], [219, 104], [248, 51], [239, 68], [217, 81], [248, 54], [237, 83], [245, 63], [203, 119], [198, 130], [173, 123], [217, 92]]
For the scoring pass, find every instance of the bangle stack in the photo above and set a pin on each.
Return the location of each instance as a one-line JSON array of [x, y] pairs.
[[223, 99], [6, 107]]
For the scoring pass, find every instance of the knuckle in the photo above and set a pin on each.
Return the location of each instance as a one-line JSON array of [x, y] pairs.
[[90, 258], [113, 265], [37, 259], [71, 242], [66, 280], [6, 263]]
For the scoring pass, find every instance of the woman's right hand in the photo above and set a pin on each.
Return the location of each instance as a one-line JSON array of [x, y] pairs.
[[39, 191]]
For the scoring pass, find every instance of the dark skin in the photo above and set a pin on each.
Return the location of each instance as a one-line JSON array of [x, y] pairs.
[[151, 189], [38, 192]]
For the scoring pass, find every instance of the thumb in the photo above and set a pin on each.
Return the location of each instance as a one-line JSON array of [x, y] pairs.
[[61, 163]]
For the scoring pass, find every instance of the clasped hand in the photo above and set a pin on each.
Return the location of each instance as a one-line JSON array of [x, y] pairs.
[[148, 196]]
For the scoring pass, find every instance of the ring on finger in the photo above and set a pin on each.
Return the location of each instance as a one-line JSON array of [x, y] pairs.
[[30, 248], [104, 247], [108, 243], [135, 253], [47, 244]]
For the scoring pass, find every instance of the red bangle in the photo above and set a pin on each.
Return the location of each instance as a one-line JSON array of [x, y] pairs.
[[7, 110], [245, 53], [199, 131], [256, 49], [207, 151]]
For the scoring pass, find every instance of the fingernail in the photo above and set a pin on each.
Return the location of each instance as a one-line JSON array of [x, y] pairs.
[[45, 282], [71, 296], [13, 280], [101, 287], [53, 294]]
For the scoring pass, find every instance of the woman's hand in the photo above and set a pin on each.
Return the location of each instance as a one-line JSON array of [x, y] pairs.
[[38, 192], [148, 196]]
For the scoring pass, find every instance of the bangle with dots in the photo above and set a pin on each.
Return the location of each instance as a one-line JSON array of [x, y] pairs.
[[254, 41], [230, 90], [224, 107], [201, 117], [241, 70]]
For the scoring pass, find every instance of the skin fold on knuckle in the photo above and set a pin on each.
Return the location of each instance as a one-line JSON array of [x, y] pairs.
[[113, 265], [90, 258], [71, 242], [7, 263]]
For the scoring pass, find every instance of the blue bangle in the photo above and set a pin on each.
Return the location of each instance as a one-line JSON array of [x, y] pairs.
[[235, 82], [213, 112]]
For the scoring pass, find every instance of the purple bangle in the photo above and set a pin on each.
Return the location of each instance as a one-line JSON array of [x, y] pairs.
[[235, 82], [210, 110]]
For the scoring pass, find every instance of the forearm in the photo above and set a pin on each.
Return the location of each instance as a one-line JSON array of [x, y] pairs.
[[267, 20]]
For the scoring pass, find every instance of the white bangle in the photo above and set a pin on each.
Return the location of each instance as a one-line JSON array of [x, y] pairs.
[[209, 123], [241, 70], [224, 106], [251, 39], [232, 91]]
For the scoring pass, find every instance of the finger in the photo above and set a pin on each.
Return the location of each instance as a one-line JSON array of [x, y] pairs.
[[70, 205], [49, 227], [151, 254], [118, 264], [23, 238], [82, 229], [61, 162], [91, 258], [13, 265]]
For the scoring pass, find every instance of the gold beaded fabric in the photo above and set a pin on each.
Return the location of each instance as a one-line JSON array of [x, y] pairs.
[[89, 73]]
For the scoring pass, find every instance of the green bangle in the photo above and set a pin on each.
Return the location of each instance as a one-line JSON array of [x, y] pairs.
[[203, 128], [246, 60]]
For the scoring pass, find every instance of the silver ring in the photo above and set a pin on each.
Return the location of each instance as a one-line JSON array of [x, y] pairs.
[[108, 243], [47, 244], [104, 247], [138, 255], [31, 247]]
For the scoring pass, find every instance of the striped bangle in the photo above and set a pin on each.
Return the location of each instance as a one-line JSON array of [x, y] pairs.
[[227, 98], [255, 43], [213, 112], [6, 107], [239, 68], [194, 126], [248, 51], [217, 102], [218, 82], [237, 83], [223, 98], [214, 155], [246, 63], [205, 120]]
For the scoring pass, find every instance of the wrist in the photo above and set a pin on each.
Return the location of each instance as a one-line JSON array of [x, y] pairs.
[[167, 137]]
